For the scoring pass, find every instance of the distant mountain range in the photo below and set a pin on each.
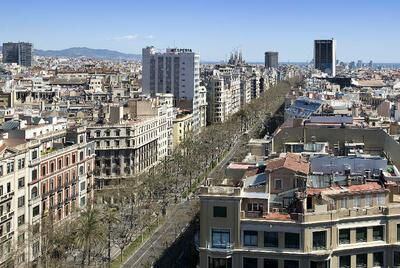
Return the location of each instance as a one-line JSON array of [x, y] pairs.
[[75, 52]]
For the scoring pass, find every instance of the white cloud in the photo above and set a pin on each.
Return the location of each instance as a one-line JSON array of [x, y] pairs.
[[127, 37], [150, 36]]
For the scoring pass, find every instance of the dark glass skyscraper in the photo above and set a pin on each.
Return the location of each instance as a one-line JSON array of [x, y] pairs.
[[20, 53], [325, 56], [271, 59]]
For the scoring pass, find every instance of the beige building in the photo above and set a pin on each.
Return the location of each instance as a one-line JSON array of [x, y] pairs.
[[348, 220], [132, 139], [45, 174], [182, 126]]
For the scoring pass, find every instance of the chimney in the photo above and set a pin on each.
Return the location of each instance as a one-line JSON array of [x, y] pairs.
[[348, 180]]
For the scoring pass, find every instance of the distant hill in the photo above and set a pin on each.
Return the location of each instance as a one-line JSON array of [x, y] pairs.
[[75, 52]]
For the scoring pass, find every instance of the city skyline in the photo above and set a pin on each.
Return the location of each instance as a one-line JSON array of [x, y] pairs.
[[128, 27]]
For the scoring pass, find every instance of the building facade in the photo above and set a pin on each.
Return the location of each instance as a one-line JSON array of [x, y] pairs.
[[176, 71], [271, 59], [45, 177], [19, 53], [325, 56]]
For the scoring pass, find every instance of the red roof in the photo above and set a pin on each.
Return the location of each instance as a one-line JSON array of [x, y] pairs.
[[333, 190], [291, 161]]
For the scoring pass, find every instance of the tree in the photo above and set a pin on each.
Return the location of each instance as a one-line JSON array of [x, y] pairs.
[[90, 231]]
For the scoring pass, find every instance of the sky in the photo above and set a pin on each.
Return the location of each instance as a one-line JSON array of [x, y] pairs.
[[366, 30]]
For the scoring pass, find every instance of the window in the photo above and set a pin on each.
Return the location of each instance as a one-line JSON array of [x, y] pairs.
[[291, 264], [319, 240], [356, 202], [83, 186], [219, 263], [278, 184], [34, 192], [319, 264], [35, 211], [361, 260], [34, 175], [344, 261], [43, 170], [52, 167], [271, 239], [270, 263], [219, 212], [361, 235], [34, 154], [249, 262], [21, 182], [220, 238], [254, 207], [368, 200], [83, 202], [377, 233], [21, 220], [380, 199], [8, 187], [21, 163], [21, 201], [396, 258], [398, 231], [21, 238], [343, 202], [292, 240], [344, 236], [378, 259], [10, 167], [250, 238]]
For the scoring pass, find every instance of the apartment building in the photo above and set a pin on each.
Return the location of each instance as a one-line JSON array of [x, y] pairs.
[[175, 71], [133, 139], [182, 127], [223, 95], [245, 90], [46, 175], [282, 215]]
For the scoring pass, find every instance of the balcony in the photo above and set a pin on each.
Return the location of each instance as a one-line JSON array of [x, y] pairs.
[[6, 196], [333, 215], [6, 217], [252, 214], [53, 152], [227, 247]]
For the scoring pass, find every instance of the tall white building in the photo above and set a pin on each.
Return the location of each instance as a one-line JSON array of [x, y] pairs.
[[175, 71], [223, 89]]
